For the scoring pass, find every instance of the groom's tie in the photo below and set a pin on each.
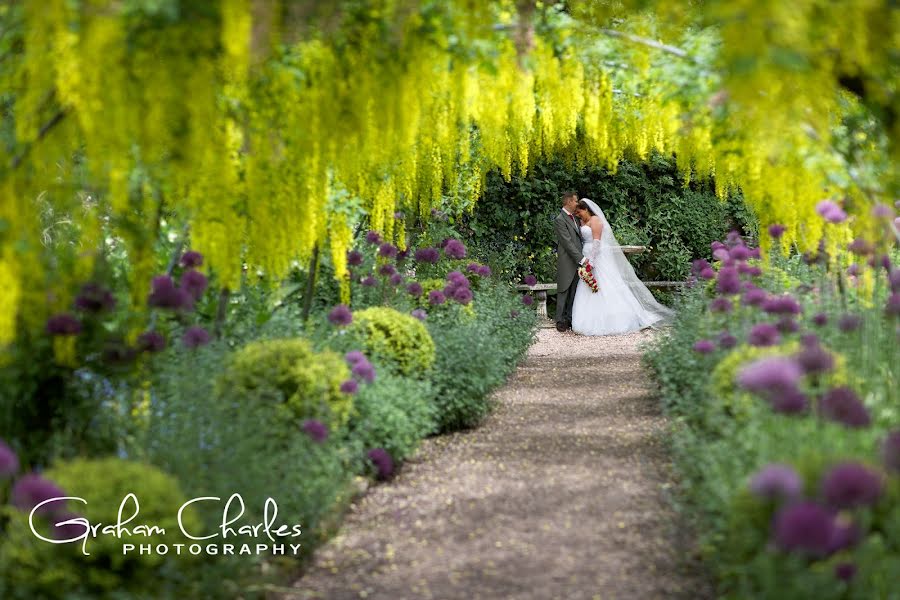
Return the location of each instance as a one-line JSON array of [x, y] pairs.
[[573, 220]]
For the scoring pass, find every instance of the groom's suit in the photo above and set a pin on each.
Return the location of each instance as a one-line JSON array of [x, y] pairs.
[[568, 258]]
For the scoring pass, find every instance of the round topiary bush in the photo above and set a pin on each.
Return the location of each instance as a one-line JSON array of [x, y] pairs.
[[297, 380], [34, 568], [398, 337]]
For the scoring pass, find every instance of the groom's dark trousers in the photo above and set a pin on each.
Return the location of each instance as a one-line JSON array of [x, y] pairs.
[[564, 300], [568, 257]]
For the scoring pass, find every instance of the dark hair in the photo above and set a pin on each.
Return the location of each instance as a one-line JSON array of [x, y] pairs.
[[567, 195], [584, 206]]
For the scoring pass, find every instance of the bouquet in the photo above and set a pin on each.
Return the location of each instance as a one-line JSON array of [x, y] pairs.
[[586, 272]]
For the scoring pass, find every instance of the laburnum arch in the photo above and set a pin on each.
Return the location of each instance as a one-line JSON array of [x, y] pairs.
[[271, 127]]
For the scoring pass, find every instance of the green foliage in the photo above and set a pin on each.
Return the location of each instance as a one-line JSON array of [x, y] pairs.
[[393, 413], [30, 567], [648, 204], [289, 374], [399, 338]]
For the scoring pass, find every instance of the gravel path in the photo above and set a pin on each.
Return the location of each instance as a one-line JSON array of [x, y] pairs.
[[561, 493]]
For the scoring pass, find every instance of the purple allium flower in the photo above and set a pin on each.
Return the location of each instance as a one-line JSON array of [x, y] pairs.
[[387, 250], [764, 334], [846, 534], [787, 325], [882, 211], [349, 387], [717, 245], [729, 281], [849, 322], [364, 371], [789, 401], [463, 295], [727, 341], [754, 271], [164, 294], [770, 374], [721, 254], [704, 347], [427, 255], [776, 482], [782, 305], [354, 356], [195, 336], [382, 461], [814, 359], [708, 273], [9, 462], [754, 297], [414, 289], [734, 238], [849, 485], [820, 319], [317, 430], [776, 230], [484, 271], [455, 249], [457, 279], [32, 489], [890, 451], [831, 212], [436, 297], [194, 283], [842, 405], [804, 527], [340, 315], [373, 237], [191, 259], [396, 279], [63, 324], [894, 280], [892, 307], [94, 298], [419, 314], [473, 268], [151, 341], [527, 300], [860, 247], [698, 265], [853, 270], [897, 222], [369, 281], [845, 571], [354, 258], [530, 280], [740, 253], [63, 530], [721, 304], [387, 270]]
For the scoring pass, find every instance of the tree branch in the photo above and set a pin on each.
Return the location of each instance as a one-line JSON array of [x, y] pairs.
[[45, 129], [637, 39]]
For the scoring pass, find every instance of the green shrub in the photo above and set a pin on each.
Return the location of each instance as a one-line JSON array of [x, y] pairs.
[[302, 383], [393, 413], [33, 568], [399, 338]]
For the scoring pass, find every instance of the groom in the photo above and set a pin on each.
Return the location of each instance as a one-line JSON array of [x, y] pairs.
[[568, 259]]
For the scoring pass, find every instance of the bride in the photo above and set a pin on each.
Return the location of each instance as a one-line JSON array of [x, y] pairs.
[[622, 303]]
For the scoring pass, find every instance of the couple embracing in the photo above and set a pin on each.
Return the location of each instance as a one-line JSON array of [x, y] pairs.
[[621, 303]]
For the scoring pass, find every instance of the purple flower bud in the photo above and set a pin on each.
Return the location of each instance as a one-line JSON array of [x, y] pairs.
[[704, 347], [708, 273], [9, 462], [340, 315], [722, 305], [484, 271], [364, 371], [396, 279], [860, 247], [527, 300], [316, 430], [820, 319], [63, 324], [787, 325], [194, 283], [805, 528], [191, 259], [882, 211], [831, 212], [848, 323], [729, 281], [776, 230], [769, 375], [894, 280], [463, 295], [369, 281], [194, 337], [776, 482], [842, 405], [764, 334], [382, 461], [399, 215], [455, 249], [164, 294], [419, 314], [721, 254], [354, 356], [387, 270], [853, 270], [850, 485], [697, 266], [782, 305], [151, 341], [530, 280], [727, 341], [354, 258], [414, 289], [890, 451], [373, 237], [436, 297], [427, 255], [789, 401], [387, 250], [814, 359], [754, 297], [63, 529], [349, 387], [892, 308], [94, 298], [31, 490], [717, 245], [740, 253]]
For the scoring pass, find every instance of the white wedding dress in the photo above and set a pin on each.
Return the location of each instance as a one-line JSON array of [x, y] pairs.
[[623, 303]]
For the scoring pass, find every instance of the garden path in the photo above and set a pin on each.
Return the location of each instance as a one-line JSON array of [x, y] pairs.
[[561, 493]]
